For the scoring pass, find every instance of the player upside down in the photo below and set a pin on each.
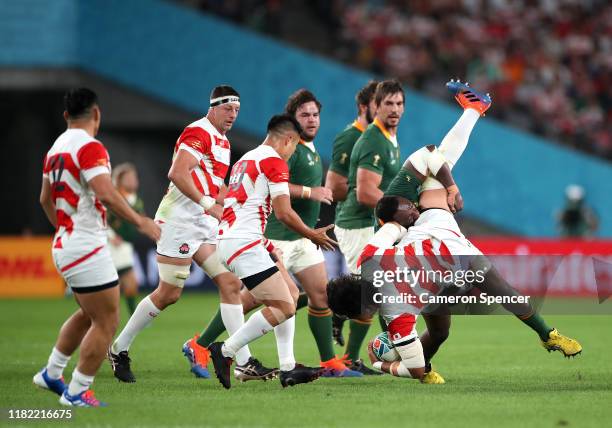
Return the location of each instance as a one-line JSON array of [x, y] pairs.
[[436, 225]]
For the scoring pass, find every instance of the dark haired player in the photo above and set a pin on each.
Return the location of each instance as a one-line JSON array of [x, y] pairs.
[[337, 174], [76, 183], [300, 256], [259, 183], [442, 236], [374, 161], [189, 216]]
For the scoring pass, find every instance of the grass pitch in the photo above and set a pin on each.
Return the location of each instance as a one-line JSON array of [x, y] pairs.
[[497, 374]]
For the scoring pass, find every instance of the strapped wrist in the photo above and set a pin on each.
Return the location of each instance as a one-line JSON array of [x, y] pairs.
[[207, 202], [306, 192]]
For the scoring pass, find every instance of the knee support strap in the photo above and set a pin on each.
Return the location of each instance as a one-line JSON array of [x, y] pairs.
[[173, 274], [213, 266]]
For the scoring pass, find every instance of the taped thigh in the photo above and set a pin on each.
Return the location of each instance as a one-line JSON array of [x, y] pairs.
[[213, 266], [173, 274]]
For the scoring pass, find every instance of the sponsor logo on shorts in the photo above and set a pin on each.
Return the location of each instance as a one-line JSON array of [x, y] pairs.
[[152, 314], [184, 248]]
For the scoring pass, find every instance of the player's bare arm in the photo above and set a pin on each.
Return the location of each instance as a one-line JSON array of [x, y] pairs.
[[109, 196], [337, 184], [367, 190], [319, 194], [285, 214], [180, 175], [46, 201], [393, 368]]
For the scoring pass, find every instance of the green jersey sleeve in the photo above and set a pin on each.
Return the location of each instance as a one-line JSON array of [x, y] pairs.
[[342, 148], [372, 156], [406, 185]]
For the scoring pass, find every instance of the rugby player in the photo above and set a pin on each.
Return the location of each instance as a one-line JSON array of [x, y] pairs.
[[189, 216], [76, 186], [436, 204], [423, 240], [374, 161], [300, 256], [337, 174], [259, 182]]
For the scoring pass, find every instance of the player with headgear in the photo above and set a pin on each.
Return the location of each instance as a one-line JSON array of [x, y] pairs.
[[189, 216]]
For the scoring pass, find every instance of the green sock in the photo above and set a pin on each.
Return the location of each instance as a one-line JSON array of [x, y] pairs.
[[320, 322], [302, 301], [537, 324], [357, 334], [381, 321], [131, 303], [214, 329]]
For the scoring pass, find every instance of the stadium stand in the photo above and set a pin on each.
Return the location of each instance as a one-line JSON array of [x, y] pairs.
[[265, 71], [547, 62]]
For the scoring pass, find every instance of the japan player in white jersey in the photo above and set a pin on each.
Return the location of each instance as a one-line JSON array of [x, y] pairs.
[[258, 184], [189, 216], [76, 183]]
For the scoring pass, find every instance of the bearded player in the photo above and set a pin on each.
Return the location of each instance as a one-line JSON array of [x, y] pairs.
[[374, 161], [189, 216], [337, 174]]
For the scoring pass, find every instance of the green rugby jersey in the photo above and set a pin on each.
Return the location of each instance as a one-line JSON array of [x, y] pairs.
[[341, 154], [374, 151], [126, 230], [306, 169]]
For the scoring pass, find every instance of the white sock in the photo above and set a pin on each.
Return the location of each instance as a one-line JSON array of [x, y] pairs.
[[79, 383], [145, 312], [254, 328], [456, 140], [284, 333], [57, 363], [233, 318]]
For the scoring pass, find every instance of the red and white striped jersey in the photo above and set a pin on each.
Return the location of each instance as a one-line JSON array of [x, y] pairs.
[[74, 159], [256, 178], [212, 151], [430, 254]]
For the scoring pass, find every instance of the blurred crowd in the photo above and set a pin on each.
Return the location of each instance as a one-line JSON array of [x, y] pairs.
[[548, 63]]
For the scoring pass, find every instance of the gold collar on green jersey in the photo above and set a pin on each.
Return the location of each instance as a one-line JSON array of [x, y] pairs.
[[358, 125], [382, 128]]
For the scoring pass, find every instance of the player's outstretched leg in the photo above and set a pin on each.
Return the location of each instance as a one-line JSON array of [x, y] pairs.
[[230, 315], [552, 340]]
